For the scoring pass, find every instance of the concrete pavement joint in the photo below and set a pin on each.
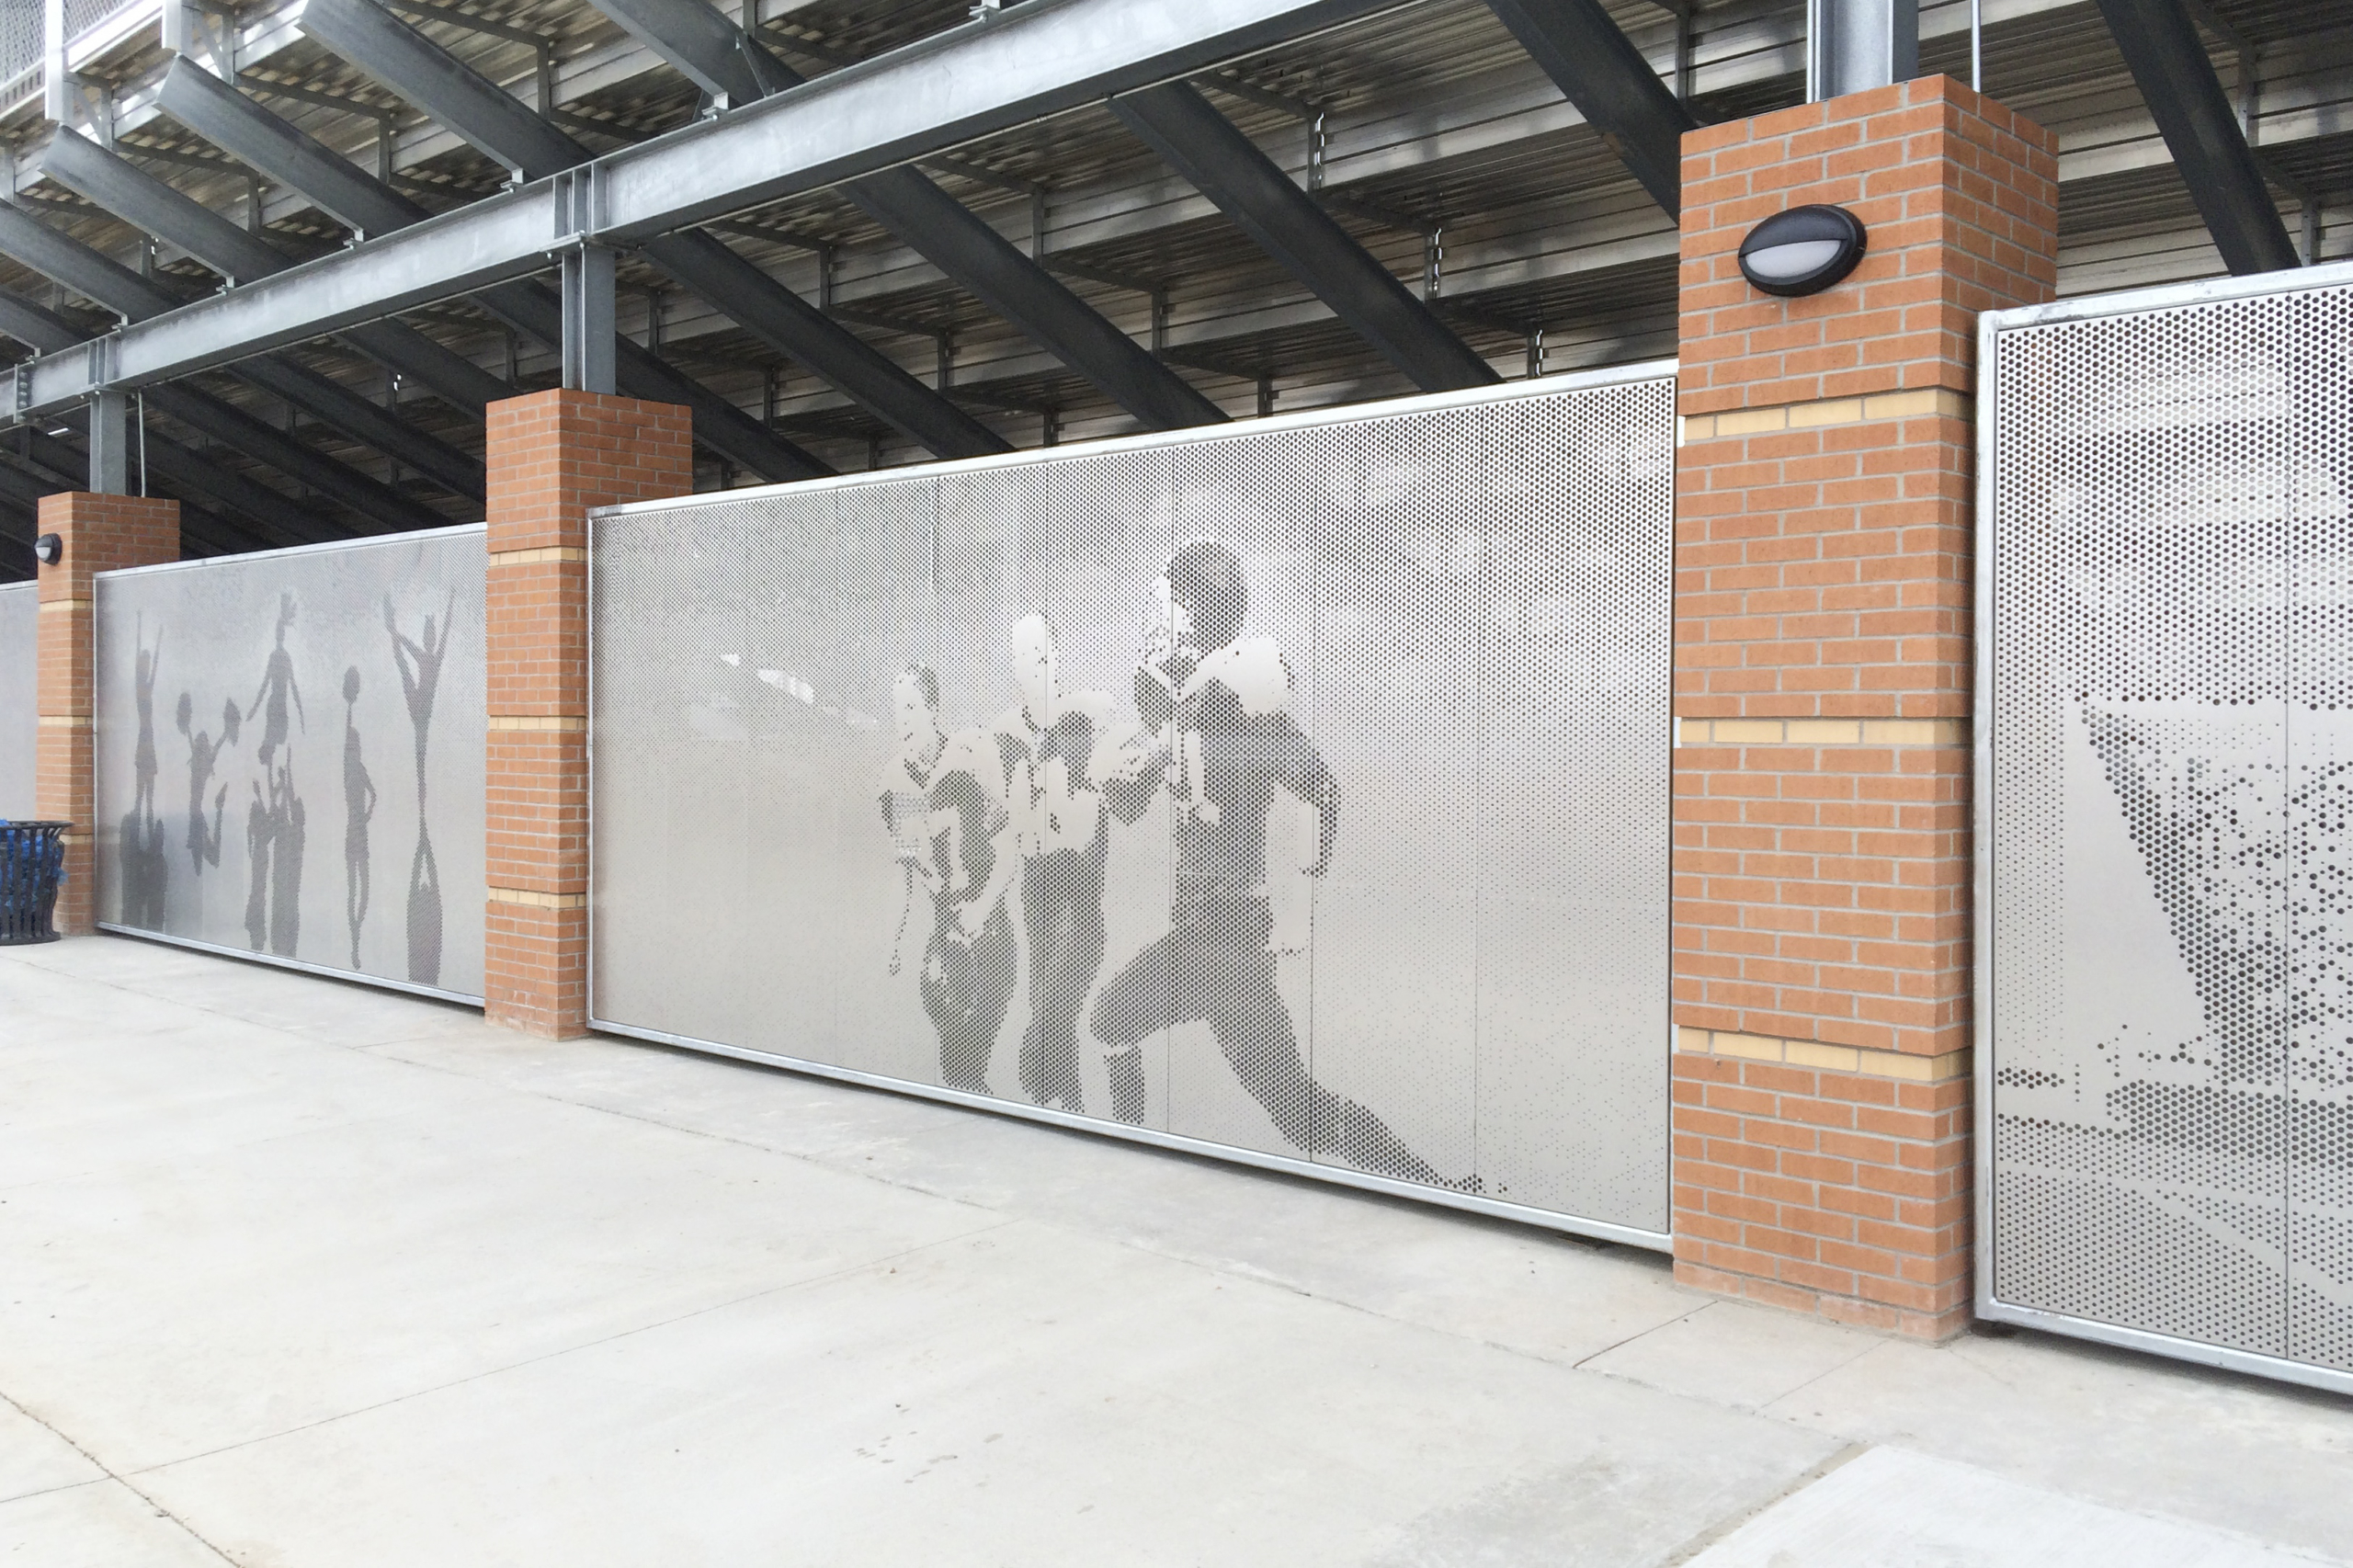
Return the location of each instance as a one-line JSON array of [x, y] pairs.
[[111, 1475], [1733, 1521]]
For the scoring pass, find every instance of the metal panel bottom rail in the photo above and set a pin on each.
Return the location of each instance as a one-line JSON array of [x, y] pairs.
[[1232, 1153], [302, 966]]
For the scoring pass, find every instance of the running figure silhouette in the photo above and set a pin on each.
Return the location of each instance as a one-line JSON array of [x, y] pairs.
[[1221, 737]]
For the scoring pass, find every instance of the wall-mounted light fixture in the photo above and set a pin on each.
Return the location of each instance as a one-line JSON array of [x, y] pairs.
[[49, 549], [1803, 251]]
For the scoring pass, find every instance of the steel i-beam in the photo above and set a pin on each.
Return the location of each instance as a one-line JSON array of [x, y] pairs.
[[239, 126], [2161, 48], [1598, 69], [147, 203], [494, 121], [1023, 65], [724, 61], [1284, 220], [123, 291]]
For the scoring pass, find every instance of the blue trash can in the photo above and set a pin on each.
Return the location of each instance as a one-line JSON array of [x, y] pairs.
[[32, 864]]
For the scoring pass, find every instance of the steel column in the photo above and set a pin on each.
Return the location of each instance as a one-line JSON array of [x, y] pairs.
[[2161, 47], [110, 437], [1283, 220], [1853, 46], [589, 319]]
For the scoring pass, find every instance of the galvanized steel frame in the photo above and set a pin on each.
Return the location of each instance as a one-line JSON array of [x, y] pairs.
[[1655, 1241], [930, 95], [1989, 1306]]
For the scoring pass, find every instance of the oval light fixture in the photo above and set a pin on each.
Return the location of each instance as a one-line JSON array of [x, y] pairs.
[[1803, 251], [49, 549]]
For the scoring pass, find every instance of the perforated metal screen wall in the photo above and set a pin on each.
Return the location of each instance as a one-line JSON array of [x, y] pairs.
[[1357, 856], [291, 756], [2166, 789], [20, 718]]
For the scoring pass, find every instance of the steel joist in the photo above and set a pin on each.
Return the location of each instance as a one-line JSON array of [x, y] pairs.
[[1284, 220], [1597, 68], [1020, 65]]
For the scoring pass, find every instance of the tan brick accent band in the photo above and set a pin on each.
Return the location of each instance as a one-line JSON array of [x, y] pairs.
[[538, 900], [531, 557], [1820, 413], [559, 723], [1829, 1058], [1823, 732], [66, 721]]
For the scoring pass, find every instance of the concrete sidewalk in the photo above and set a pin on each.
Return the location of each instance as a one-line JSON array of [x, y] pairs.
[[296, 1273]]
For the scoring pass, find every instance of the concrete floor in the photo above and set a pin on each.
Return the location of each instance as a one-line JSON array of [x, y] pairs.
[[296, 1273]]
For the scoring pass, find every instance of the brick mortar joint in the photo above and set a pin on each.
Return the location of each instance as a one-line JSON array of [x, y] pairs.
[[1863, 1061]]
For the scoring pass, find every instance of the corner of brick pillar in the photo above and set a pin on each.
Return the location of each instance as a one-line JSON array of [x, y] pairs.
[[1823, 566], [552, 457], [100, 533]]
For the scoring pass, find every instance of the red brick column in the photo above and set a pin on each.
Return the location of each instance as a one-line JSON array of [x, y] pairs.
[[552, 455], [1821, 693], [100, 533]]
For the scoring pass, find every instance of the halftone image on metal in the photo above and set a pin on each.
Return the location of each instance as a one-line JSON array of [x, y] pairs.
[[2166, 789], [1297, 789], [19, 715], [291, 753]]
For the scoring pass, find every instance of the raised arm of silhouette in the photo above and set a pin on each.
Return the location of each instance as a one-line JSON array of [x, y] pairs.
[[1298, 768]]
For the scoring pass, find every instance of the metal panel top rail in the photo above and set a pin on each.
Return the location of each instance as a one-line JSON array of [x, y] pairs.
[[1273, 424]]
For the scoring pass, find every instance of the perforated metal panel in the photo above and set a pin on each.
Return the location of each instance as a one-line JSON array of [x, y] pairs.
[[1298, 791], [291, 756], [2166, 789], [20, 718]]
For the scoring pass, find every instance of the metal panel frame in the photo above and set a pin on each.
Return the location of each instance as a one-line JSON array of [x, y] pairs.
[[1990, 326], [328, 972], [1340, 1175]]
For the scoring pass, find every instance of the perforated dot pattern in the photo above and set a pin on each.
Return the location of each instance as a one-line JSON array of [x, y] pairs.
[[2171, 787], [1300, 789]]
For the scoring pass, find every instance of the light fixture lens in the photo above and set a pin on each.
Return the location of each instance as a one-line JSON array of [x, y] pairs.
[[1803, 251], [49, 549], [1785, 264]]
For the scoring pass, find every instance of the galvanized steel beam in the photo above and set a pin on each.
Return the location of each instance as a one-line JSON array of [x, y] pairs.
[[722, 59], [496, 122], [236, 124], [2160, 46], [1598, 69], [147, 203], [123, 291], [1035, 60], [1283, 220]]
